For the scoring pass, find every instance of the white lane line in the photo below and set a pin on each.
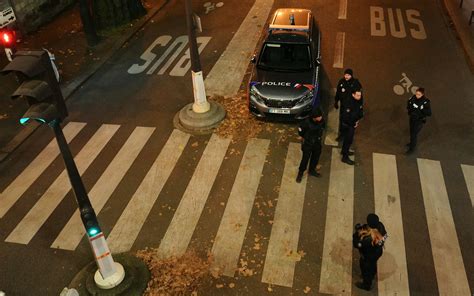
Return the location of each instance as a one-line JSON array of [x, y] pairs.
[[231, 233], [282, 253], [73, 232], [392, 266], [36, 217], [126, 230], [21, 183], [225, 77], [468, 171], [447, 257], [332, 127], [336, 266], [339, 50], [179, 233], [342, 10]]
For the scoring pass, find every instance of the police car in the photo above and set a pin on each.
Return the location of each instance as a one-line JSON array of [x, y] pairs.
[[285, 73]]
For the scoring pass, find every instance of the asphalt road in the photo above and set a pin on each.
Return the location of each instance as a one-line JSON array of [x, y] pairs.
[[114, 96]]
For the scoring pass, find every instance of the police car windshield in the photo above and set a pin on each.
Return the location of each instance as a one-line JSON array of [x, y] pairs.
[[285, 57]]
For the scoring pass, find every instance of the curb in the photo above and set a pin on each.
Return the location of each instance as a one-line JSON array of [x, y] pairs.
[[71, 87], [461, 34]]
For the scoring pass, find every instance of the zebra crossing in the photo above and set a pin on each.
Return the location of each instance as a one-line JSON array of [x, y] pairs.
[[279, 264]]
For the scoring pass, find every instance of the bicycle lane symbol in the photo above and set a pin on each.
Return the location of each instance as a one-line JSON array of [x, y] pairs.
[[405, 86]]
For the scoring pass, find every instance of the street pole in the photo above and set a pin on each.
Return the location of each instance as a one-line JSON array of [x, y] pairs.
[[201, 105], [110, 274]]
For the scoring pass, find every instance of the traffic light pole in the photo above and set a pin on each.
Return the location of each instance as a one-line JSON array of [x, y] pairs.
[[110, 274], [201, 104]]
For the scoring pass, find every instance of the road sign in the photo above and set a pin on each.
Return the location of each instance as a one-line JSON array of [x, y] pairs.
[[7, 16]]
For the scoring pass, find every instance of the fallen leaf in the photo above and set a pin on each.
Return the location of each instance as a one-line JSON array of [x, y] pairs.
[[306, 290]]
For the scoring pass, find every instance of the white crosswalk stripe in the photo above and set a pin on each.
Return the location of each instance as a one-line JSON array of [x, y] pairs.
[[447, 257], [336, 266], [392, 273], [130, 222], [179, 233], [282, 253], [468, 171], [280, 261], [36, 217], [72, 233], [14, 191], [230, 236]]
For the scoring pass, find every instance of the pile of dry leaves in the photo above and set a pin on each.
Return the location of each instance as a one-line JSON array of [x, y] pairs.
[[184, 275], [240, 124]]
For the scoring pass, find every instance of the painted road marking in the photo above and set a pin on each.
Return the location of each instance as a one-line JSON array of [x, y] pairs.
[[447, 257], [225, 77], [336, 266], [392, 267], [73, 232], [332, 127], [128, 226], [21, 183], [179, 233], [36, 217], [231, 233], [396, 23], [175, 49], [282, 253], [468, 171], [339, 50], [342, 10]]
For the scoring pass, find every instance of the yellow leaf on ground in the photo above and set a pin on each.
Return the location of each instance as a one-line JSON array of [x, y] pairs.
[[306, 290]]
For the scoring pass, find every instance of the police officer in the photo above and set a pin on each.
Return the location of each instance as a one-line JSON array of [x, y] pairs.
[[345, 86], [350, 116], [311, 129], [367, 240], [419, 108], [374, 222]]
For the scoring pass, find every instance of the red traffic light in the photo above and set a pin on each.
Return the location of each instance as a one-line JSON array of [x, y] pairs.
[[8, 38]]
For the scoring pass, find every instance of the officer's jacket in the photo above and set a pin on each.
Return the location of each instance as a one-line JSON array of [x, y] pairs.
[[311, 131], [418, 108], [345, 88], [352, 112], [365, 246]]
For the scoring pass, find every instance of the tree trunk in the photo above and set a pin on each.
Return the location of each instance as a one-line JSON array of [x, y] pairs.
[[87, 23]]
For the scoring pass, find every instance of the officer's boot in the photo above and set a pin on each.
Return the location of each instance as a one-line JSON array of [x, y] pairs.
[[299, 177], [346, 159]]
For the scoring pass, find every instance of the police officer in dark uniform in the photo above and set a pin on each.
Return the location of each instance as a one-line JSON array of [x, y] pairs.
[[311, 129], [370, 250], [419, 108], [345, 86], [350, 116]]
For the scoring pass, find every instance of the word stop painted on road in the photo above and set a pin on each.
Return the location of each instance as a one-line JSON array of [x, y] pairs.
[[175, 49], [397, 22]]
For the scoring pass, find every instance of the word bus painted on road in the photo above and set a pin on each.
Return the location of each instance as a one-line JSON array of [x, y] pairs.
[[397, 22], [175, 49]]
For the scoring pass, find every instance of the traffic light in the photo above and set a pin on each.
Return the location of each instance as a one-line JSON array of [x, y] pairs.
[[38, 86], [8, 38], [89, 219]]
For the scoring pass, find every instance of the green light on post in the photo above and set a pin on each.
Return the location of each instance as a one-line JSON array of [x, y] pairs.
[[24, 120], [93, 231]]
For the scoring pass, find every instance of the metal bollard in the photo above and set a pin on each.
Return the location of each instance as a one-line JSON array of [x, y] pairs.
[[460, 4], [472, 16]]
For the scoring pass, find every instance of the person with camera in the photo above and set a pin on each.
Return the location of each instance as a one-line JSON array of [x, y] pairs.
[[369, 241]]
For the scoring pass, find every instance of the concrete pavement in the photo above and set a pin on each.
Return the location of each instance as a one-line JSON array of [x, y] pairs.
[[460, 17]]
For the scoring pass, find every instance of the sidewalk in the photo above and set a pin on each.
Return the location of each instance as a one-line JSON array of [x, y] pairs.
[[76, 63], [460, 18]]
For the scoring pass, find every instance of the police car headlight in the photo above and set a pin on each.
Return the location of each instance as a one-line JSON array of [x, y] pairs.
[[255, 96], [306, 97]]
